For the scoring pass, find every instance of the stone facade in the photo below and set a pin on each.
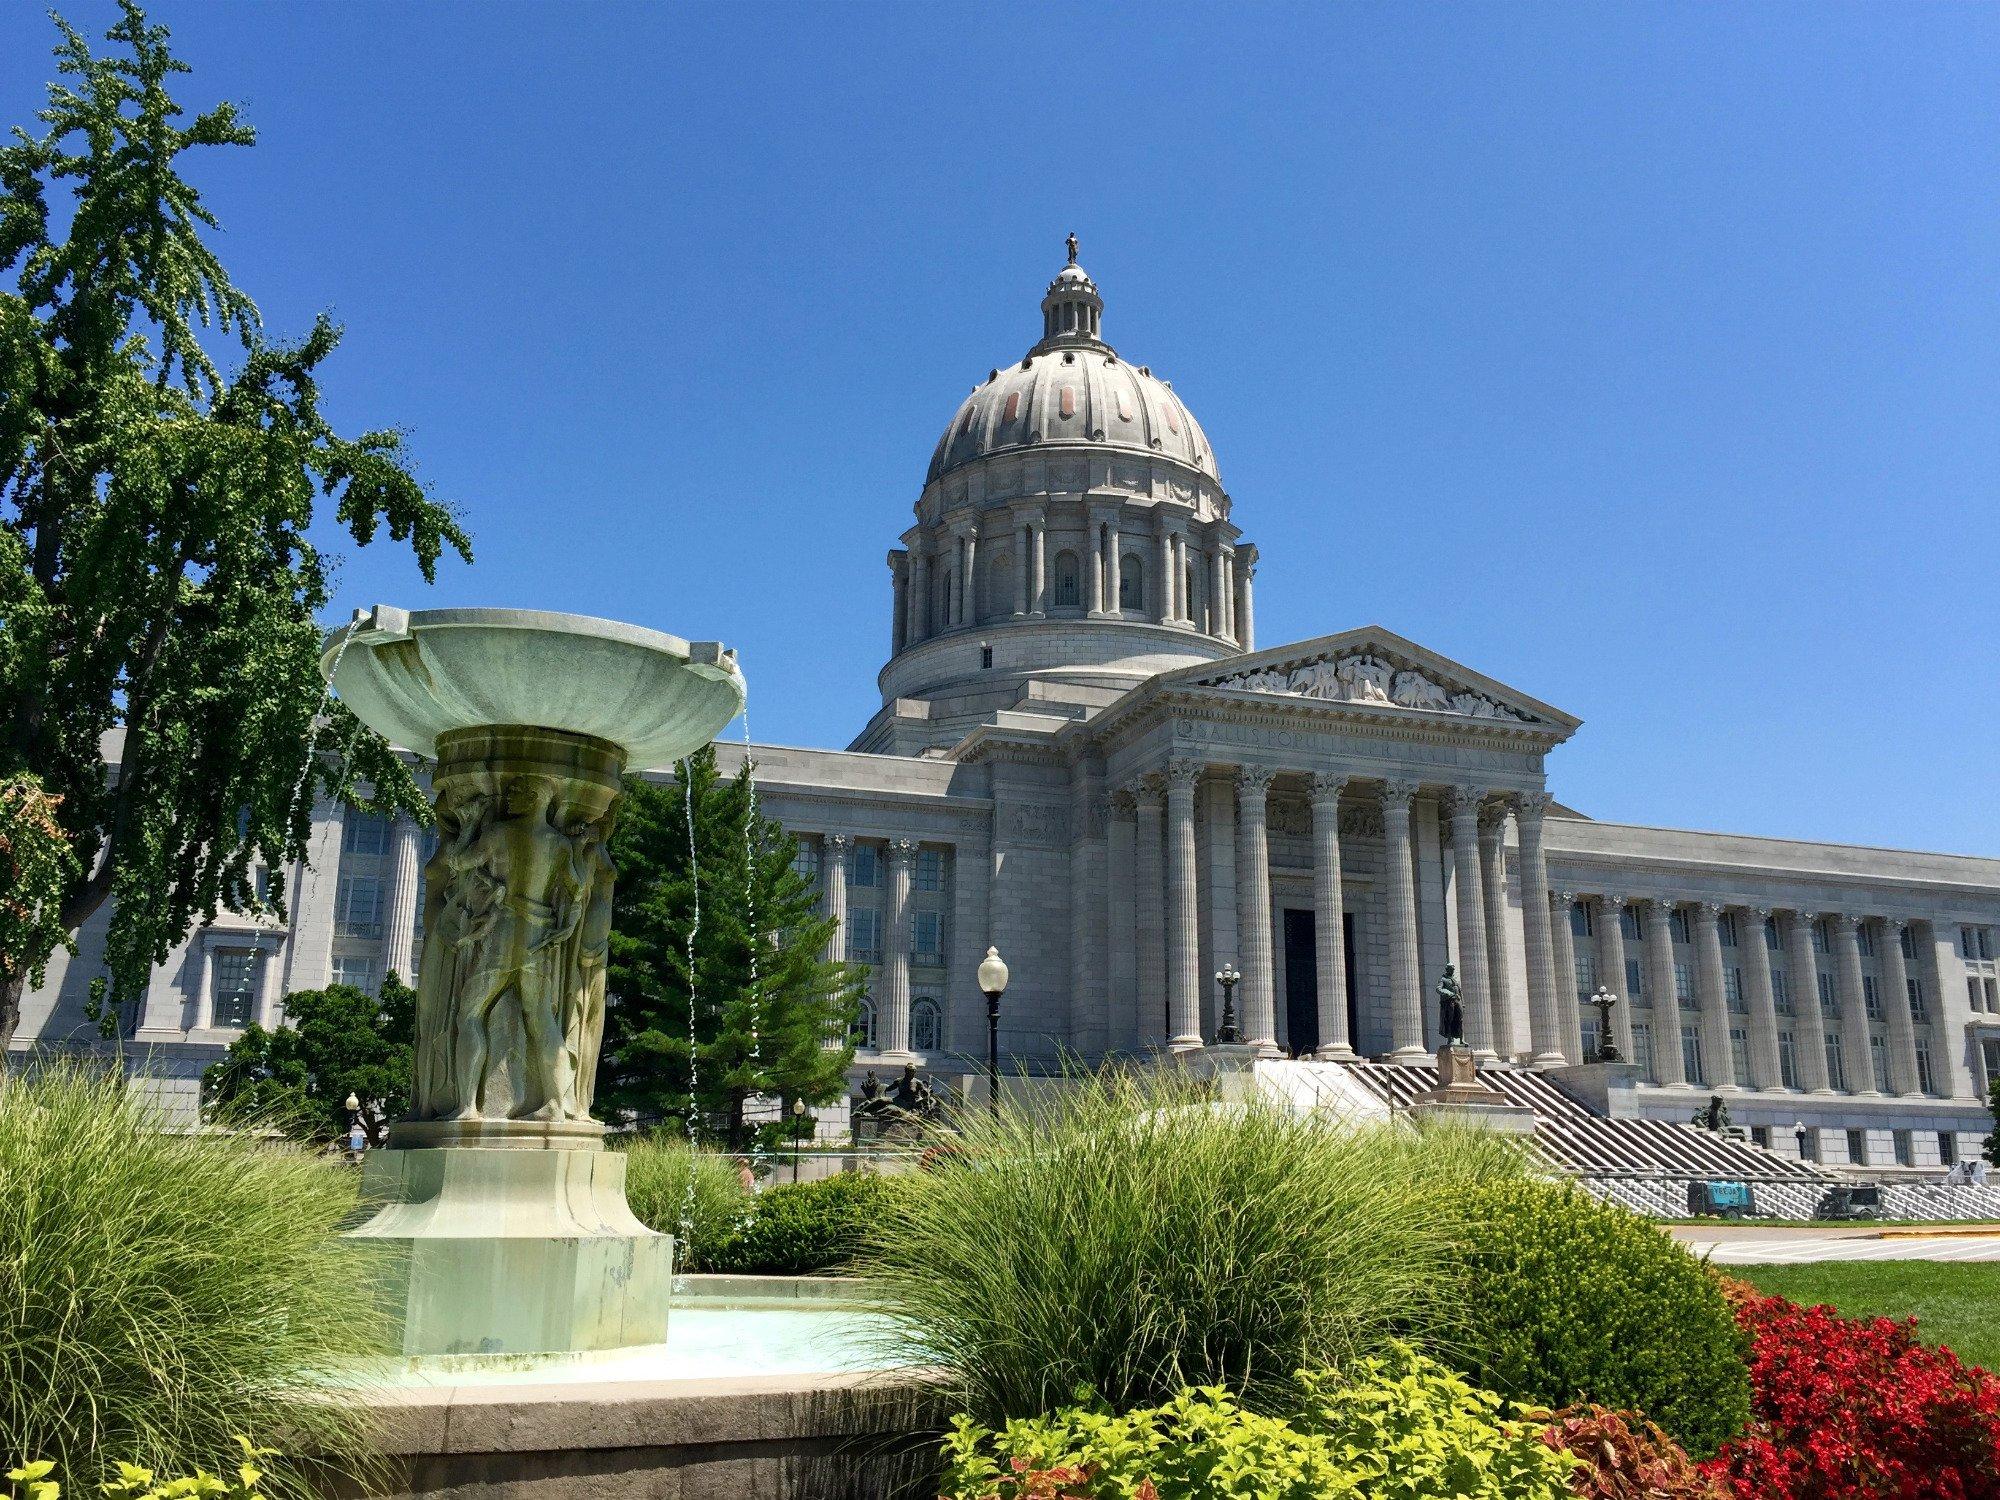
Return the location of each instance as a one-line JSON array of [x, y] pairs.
[[1082, 758]]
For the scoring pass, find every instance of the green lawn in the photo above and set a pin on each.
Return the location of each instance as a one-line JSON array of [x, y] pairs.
[[1954, 1302]]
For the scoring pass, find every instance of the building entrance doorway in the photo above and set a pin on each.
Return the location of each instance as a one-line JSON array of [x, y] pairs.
[[1302, 981]]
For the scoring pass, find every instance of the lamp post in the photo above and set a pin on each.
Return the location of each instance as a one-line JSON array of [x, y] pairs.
[[993, 984], [1607, 1046], [1799, 1135], [1229, 1034], [798, 1131], [356, 1140]]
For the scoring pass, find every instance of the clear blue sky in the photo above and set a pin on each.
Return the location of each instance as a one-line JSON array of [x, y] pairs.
[[1643, 357]]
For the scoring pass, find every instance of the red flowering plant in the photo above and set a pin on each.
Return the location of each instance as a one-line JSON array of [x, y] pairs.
[[1857, 1409]]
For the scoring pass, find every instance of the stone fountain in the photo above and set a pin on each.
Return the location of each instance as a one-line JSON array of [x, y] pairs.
[[502, 1219]]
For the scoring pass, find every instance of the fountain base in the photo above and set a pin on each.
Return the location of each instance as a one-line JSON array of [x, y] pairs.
[[504, 1250]]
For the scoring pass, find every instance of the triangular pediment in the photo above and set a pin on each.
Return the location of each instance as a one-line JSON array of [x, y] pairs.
[[1373, 669]]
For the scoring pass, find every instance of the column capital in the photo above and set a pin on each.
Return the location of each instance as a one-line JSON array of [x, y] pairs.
[[1462, 801], [837, 843], [1398, 794], [1532, 804], [1893, 925], [1120, 803], [1708, 912], [1493, 818], [1843, 921], [1148, 790], [1254, 781], [1564, 899], [902, 851], [1760, 913], [1801, 915], [1611, 902], [1182, 775], [1663, 906], [1328, 785]]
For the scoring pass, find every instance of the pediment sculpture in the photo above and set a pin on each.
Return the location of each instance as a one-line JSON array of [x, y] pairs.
[[1362, 678]]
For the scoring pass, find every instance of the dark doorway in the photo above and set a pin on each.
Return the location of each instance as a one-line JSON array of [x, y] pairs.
[[1302, 982]]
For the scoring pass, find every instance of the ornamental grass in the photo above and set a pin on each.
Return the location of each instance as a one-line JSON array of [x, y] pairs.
[[1131, 1238], [162, 1294], [690, 1192]]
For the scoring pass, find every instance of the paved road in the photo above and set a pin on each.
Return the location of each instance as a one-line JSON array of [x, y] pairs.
[[1731, 1245]]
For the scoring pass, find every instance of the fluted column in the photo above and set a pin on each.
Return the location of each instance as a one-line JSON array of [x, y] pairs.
[[1147, 886], [1114, 575], [1611, 966], [968, 582], [834, 849], [1544, 1020], [1226, 571], [1468, 889], [1022, 583], [1183, 919], [1253, 907], [919, 597], [1399, 900], [1766, 1070], [1216, 586], [1038, 600], [1329, 919], [894, 1035], [1165, 600], [1710, 992], [899, 612], [1855, 1053], [1668, 1065], [1903, 1075], [399, 940], [1808, 1020], [1246, 617], [1562, 903], [1121, 953], [1493, 892], [1095, 599]]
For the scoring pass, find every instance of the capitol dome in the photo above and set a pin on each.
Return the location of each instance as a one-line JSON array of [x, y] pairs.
[[1072, 390]]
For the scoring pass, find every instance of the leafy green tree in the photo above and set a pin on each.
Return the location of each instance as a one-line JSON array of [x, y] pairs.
[[158, 585], [35, 867], [334, 1042], [1991, 1148], [783, 1033]]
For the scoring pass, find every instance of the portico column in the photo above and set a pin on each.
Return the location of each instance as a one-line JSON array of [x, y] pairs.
[[1165, 602], [1253, 907], [1183, 930], [1669, 1065], [1766, 1071], [1095, 600], [1246, 619], [833, 891], [270, 997], [919, 596], [1714, 1002], [1493, 893], [1146, 900], [1469, 894], [1114, 574], [1226, 571], [1544, 1025], [1399, 900], [1021, 579], [1562, 904], [399, 941], [1329, 919], [1808, 1020], [1903, 1075], [1038, 601], [204, 1000], [1120, 955], [968, 583], [899, 613], [1611, 963], [1215, 592], [1855, 1052], [894, 1036]]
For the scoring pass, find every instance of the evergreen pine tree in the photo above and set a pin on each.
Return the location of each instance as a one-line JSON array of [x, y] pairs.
[[785, 1033]]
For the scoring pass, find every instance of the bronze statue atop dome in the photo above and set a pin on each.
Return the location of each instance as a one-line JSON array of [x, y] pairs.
[[1071, 243]]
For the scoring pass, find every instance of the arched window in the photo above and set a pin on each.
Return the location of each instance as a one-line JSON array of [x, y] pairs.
[[1068, 581], [864, 1025], [926, 1025], [1131, 583]]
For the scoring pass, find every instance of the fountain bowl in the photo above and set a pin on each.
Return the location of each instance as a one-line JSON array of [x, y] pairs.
[[413, 676]]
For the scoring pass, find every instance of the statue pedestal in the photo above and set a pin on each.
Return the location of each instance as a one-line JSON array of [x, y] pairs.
[[1461, 1099], [521, 1249]]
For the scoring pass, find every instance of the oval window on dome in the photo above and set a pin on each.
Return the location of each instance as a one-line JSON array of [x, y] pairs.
[[1013, 408], [1069, 401]]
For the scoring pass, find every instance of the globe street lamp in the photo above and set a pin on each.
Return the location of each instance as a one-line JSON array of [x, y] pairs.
[[1799, 1135], [356, 1139], [993, 984], [798, 1131], [1607, 1045], [1229, 1034]]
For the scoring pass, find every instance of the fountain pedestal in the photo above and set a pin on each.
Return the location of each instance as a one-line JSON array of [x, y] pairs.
[[501, 1219]]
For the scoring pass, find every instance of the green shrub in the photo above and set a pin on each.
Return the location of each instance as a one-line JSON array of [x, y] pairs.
[[802, 1228], [659, 1170], [1397, 1428], [1132, 1237], [1579, 1301], [33, 1481], [162, 1293]]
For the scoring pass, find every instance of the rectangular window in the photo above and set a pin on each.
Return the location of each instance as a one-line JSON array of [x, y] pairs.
[[1691, 1054], [1732, 991], [1822, 936], [1761, 1135], [864, 867], [930, 869], [1781, 992], [1827, 1002], [1871, 997], [1916, 990], [1836, 1065], [351, 970], [1906, 1155], [1947, 1149], [1725, 928], [1985, 942], [1788, 1060], [363, 832], [1992, 996], [1677, 924], [234, 993], [1628, 923], [1864, 937], [1642, 1047], [1975, 993], [1586, 973], [1683, 981], [1926, 1080], [927, 938], [1771, 939], [1989, 1055], [1808, 1144], [805, 863], [1909, 941], [1878, 1062], [1635, 986], [864, 935], [1587, 1024], [1739, 1053], [1857, 1147], [1968, 945], [357, 906], [1579, 920]]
